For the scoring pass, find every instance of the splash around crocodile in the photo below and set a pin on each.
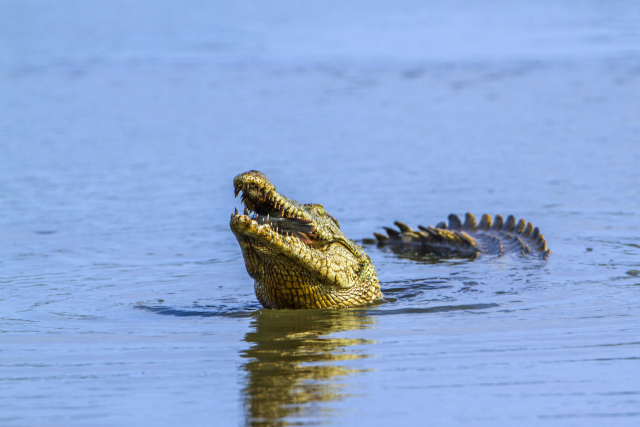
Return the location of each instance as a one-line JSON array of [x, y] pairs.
[[299, 257]]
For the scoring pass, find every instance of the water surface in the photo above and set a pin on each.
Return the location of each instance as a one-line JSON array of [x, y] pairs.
[[123, 294]]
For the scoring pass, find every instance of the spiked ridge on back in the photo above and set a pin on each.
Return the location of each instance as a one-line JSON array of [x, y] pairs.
[[470, 238]]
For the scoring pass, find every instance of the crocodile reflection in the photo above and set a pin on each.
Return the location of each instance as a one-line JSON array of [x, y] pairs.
[[291, 364]]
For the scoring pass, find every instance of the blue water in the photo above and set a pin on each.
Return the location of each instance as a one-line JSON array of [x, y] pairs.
[[123, 294]]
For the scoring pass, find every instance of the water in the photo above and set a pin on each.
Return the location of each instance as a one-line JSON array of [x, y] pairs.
[[123, 294]]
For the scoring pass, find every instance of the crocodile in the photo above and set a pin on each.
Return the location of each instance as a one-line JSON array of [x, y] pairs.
[[299, 257]]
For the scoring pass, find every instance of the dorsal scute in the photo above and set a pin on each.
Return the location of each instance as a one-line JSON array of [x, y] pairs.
[[470, 222], [428, 230], [528, 230], [454, 222], [391, 232], [381, 237], [498, 222], [535, 234], [510, 224], [404, 228], [485, 222]]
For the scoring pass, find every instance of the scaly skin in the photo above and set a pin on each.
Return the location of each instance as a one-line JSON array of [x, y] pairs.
[[330, 272], [493, 237], [299, 258]]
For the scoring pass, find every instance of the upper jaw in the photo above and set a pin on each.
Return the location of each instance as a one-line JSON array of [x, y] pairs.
[[259, 195], [267, 213]]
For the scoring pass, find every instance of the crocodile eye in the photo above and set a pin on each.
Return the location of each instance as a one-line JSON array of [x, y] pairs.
[[320, 209]]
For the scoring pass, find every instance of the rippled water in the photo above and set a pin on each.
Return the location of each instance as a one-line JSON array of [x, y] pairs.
[[123, 294]]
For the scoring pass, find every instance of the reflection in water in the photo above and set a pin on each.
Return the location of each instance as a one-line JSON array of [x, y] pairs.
[[292, 363]]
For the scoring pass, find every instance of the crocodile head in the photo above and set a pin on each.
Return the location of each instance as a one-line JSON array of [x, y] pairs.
[[296, 253]]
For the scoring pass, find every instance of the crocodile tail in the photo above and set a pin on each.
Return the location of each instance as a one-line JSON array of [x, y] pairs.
[[491, 236]]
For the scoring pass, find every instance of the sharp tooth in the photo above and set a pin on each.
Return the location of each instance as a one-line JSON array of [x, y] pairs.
[[282, 212], [264, 198], [246, 211], [236, 211], [267, 218], [237, 191]]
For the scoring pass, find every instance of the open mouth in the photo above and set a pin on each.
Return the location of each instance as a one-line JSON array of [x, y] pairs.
[[265, 206]]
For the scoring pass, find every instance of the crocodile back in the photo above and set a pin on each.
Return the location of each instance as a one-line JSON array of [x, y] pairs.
[[489, 236]]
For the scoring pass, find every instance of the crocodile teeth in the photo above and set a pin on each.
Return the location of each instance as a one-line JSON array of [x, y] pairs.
[[236, 212], [246, 211], [236, 192]]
